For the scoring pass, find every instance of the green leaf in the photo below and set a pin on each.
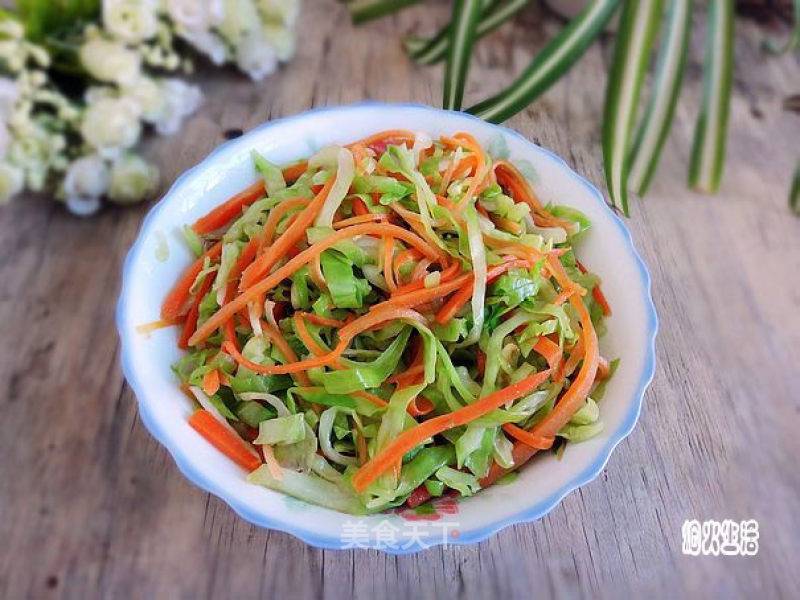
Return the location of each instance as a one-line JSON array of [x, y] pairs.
[[464, 23], [708, 150], [346, 290], [366, 10], [635, 38], [666, 89], [428, 52], [549, 64], [42, 17]]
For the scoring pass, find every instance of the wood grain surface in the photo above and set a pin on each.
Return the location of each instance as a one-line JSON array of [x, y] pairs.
[[91, 506]]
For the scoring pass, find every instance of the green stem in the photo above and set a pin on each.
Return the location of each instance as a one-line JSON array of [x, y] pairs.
[[428, 52], [464, 23], [708, 150], [638, 26], [666, 89], [366, 10], [549, 64]]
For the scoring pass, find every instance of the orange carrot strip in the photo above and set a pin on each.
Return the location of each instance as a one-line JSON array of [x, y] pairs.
[[190, 324], [305, 336], [283, 346], [402, 258], [320, 320], [295, 232], [225, 213], [359, 208], [459, 300], [223, 440], [226, 312], [275, 216], [346, 334], [597, 293], [550, 350], [413, 437], [572, 399], [293, 172], [365, 218], [211, 382], [371, 397], [527, 438], [315, 272], [175, 302]]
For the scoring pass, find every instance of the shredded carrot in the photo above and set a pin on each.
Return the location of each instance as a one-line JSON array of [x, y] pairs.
[[413, 437], [227, 311], [174, 304], [148, 328], [272, 463], [459, 299], [365, 218], [293, 234], [534, 441], [283, 346], [225, 213], [275, 216], [402, 258], [211, 382], [346, 334], [550, 350], [359, 208], [305, 337], [315, 272], [597, 293], [223, 440], [190, 324]]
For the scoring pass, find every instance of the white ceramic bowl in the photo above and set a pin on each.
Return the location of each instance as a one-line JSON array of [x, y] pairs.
[[148, 274]]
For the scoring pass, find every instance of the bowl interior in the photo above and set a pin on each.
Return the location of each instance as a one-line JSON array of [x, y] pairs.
[[159, 256]]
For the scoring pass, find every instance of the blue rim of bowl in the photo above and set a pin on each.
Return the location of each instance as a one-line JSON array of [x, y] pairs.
[[533, 513]]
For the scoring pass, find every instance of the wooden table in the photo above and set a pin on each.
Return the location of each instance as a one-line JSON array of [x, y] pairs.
[[91, 506]]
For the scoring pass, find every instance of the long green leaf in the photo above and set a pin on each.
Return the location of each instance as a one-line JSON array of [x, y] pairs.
[[792, 42], [366, 10], [464, 23], [666, 89], [794, 192], [549, 64], [708, 150], [634, 43], [428, 52]]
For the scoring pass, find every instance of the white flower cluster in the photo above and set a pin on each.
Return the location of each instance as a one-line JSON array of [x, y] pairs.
[[129, 61]]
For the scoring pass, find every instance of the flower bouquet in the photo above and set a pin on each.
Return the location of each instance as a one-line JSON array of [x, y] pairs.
[[81, 79]]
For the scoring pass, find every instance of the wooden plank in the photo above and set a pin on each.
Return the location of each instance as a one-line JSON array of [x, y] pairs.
[[91, 506]]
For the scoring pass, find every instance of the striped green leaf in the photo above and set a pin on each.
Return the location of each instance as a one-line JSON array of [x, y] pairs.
[[550, 63], [708, 150], [366, 10], [666, 89], [428, 52], [637, 29], [466, 14]]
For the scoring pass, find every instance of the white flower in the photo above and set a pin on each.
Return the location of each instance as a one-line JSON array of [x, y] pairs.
[[9, 94], [131, 21], [181, 100], [11, 181], [87, 177], [282, 39], [207, 43], [280, 11], [110, 61], [132, 180], [110, 124], [256, 57], [82, 207], [241, 18], [148, 96], [195, 15]]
